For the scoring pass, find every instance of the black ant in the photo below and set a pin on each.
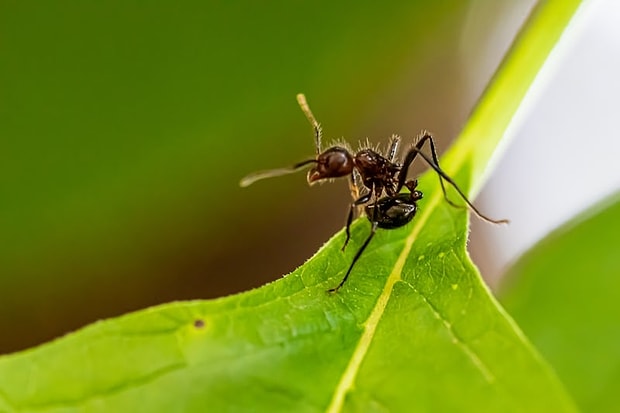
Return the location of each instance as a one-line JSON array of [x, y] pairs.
[[382, 179]]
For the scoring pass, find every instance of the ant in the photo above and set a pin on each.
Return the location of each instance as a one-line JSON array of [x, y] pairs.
[[382, 179]]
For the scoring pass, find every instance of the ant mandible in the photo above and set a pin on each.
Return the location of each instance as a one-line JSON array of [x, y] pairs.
[[382, 179]]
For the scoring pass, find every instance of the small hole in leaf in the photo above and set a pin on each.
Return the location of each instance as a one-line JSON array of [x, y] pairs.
[[199, 323]]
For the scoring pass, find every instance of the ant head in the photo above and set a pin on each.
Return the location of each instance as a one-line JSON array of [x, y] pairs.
[[335, 162]]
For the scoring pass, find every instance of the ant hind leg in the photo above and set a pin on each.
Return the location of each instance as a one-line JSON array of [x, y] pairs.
[[357, 256], [434, 163]]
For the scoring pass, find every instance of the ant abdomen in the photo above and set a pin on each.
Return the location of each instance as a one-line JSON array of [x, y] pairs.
[[394, 212]]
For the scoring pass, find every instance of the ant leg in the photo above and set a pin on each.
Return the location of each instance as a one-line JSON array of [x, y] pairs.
[[354, 184], [360, 201], [434, 163], [357, 256], [411, 157], [393, 148]]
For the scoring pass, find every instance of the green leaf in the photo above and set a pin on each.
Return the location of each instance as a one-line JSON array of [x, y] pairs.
[[564, 294], [419, 332], [414, 329]]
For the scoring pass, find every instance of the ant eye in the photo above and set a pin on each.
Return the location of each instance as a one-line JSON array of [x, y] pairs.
[[333, 163]]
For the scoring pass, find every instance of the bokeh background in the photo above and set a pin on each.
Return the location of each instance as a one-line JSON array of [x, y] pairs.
[[561, 152], [125, 127]]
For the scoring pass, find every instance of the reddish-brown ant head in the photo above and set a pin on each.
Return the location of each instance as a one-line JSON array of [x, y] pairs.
[[333, 163]]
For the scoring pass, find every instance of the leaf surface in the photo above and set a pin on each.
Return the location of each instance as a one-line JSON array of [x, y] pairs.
[[564, 294], [414, 328]]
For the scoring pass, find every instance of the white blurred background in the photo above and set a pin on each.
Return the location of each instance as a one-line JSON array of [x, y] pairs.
[[561, 152]]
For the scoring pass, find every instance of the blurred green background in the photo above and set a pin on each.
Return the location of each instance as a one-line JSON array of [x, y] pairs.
[[125, 127]]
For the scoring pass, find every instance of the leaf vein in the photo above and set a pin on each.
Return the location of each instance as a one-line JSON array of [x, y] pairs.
[[476, 360], [370, 325]]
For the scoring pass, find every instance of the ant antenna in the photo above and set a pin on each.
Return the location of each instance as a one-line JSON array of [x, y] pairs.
[[318, 133], [257, 176]]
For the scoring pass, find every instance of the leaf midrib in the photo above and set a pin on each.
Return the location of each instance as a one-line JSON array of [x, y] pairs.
[[371, 323]]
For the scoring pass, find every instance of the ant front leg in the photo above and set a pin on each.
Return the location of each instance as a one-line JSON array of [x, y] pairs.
[[360, 201]]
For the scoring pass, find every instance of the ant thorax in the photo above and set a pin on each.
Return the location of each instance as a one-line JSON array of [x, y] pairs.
[[377, 173]]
